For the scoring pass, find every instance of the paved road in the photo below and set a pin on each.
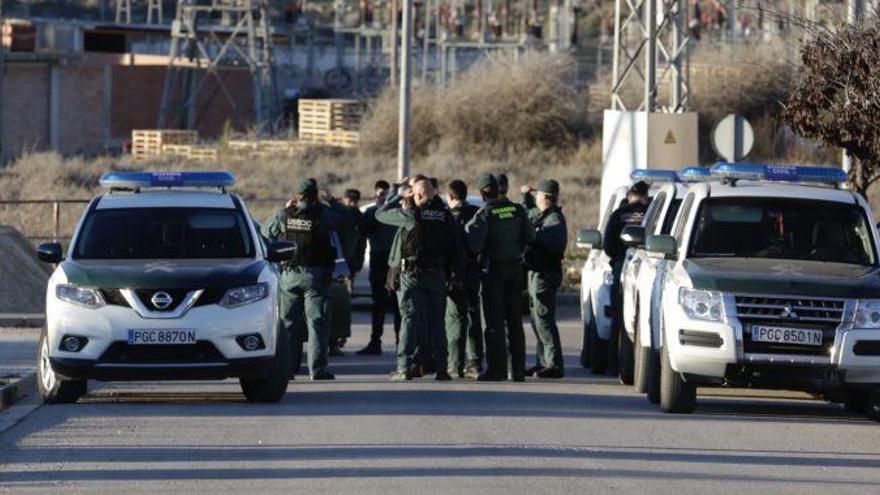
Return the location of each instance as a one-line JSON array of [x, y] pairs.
[[363, 434], [18, 351]]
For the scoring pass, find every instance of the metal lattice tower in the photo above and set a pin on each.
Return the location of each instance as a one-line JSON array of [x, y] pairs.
[[209, 39], [651, 34]]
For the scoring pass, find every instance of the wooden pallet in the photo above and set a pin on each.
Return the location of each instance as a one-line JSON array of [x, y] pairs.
[[147, 142], [181, 150], [208, 153], [342, 139], [330, 115]]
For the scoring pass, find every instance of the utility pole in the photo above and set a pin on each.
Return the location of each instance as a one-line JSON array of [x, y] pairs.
[[403, 134], [395, 6]]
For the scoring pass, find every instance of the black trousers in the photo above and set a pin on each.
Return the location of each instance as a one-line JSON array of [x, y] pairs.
[[383, 299]]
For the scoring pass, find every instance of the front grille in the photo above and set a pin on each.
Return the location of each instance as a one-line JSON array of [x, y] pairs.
[[145, 296], [123, 352], [789, 312], [781, 308], [114, 297]]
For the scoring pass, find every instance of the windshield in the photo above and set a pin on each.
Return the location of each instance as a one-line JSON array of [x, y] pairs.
[[781, 228], [164, 233]]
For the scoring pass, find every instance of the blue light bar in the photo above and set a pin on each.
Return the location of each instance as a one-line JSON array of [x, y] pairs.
[[654, 176], [136, 180], [695, 174], [778, 173]]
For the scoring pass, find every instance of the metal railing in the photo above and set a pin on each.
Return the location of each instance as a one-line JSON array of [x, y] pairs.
[[57, 205]]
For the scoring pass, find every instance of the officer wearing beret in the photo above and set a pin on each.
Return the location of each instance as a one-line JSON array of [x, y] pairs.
[[304, 280], [543, 259], [499, 233]]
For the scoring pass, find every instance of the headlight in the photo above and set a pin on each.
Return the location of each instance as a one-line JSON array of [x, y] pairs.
[[701, 304], [608, 278], [867, 313], [245, 295], [89, 298]]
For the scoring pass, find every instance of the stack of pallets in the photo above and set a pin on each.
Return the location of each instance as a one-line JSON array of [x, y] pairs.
[[263, 147], [330, 122], [155, 142]]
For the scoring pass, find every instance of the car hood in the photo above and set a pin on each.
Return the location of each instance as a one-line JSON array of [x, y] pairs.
[[163, 274], [788, 277]]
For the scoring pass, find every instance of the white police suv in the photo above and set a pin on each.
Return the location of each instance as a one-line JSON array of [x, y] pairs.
[[165, 278], [596, 281], [772, 280]]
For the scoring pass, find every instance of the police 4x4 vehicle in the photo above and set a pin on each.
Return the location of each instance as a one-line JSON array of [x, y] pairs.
[[640, 304], [772, 283], [164, 280], [596, 281]]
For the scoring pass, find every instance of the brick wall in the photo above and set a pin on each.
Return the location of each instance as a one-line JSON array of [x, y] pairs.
[[81, 109], [25, 109]]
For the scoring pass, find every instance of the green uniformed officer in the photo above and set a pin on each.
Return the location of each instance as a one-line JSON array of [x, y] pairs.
[[305, 278], [428, 251], [499, 232], [380, 238], [463, 324], [543, 259]]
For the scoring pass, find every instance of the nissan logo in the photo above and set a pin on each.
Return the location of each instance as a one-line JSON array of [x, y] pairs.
[[161, 300]]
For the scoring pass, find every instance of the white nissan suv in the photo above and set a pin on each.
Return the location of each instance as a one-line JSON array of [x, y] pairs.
[[164, 280]]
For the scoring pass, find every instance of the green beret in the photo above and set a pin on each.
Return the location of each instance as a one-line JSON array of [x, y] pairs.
[[307, 186], [549, 186], [487, 180]]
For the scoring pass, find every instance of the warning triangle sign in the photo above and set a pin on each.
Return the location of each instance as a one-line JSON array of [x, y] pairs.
[[670, 138]]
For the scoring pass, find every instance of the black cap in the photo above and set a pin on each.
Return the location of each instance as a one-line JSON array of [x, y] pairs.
[[548, 186], [486, 181], [307, 186], [503, 183]]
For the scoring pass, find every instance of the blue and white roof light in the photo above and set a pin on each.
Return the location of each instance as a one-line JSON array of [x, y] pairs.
[[778, 173], [695, 174], [653, 176], [138, 180]]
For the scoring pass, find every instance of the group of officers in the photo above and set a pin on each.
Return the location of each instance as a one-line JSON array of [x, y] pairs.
[[446, 268]]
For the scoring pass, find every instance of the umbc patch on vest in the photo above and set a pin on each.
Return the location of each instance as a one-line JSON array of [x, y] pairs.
[[504, 212], [433, 215], [299, 224]]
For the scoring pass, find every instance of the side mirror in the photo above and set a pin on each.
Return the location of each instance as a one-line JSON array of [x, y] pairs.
[[664, 245], [281, 251], [50, 252], [589, 238], [633, 235]]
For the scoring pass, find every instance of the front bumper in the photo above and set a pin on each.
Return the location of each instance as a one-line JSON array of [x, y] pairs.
[[81, 369], [107, 327], [713, 353]]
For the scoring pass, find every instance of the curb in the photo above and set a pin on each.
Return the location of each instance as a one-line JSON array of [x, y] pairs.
[[18, 389], [22, 320]]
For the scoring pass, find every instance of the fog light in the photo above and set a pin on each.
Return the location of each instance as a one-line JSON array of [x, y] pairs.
[[72, 343], [251, 342]]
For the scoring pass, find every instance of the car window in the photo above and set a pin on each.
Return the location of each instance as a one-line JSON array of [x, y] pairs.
[[671, 213], [164, 233], [654, 212], [782, 228]]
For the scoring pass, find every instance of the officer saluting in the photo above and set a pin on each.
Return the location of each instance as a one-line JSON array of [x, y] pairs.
[[543, 259], [306, 277], [428, 252], [499, 233]]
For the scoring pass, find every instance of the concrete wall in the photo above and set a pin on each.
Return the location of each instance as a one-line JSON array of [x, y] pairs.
[[25, 109], [86, 105]]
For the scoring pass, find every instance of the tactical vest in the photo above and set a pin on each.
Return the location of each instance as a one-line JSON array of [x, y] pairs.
[[537, 257], [312, 239], [428, 243]]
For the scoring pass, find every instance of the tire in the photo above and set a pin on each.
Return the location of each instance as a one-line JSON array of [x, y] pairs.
[[273, 387], [652, 380], [856, 401], [585, 345], [53, 388], [598, 352], [641, 363], [872, 411], [676, 395], [296, 355], [625, 358]]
